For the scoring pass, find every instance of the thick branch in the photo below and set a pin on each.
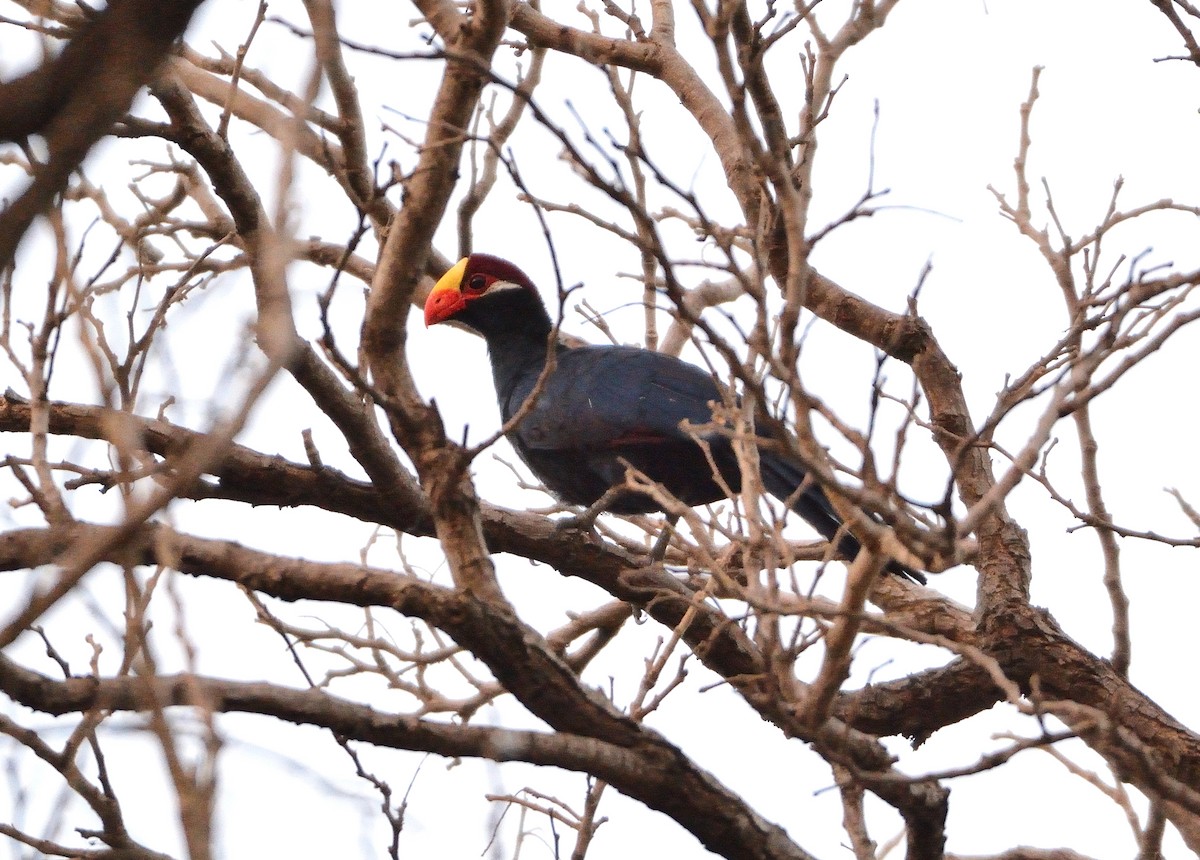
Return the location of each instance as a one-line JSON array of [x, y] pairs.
[[73, 101], [516, 655]]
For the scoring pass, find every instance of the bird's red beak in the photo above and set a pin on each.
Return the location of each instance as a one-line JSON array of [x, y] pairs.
[[446, 299]]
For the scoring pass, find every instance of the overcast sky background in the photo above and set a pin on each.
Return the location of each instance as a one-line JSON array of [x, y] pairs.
[[948, 78]]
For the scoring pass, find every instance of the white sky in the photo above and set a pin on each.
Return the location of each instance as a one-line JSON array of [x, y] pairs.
[[949, 78]]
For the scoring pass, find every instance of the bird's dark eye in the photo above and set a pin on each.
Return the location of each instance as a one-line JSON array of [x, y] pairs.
[[477, 283]]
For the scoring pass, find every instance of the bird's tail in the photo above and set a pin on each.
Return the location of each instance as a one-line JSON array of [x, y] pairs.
[[782, 478]]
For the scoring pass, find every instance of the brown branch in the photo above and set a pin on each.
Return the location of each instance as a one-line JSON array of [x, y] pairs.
[[515, 654], [402, 261], [73, 101], [1141, 741], [660, 781], [248, 476], [358, 179], [1167, 8], [362, 433], [1024, 853], [79, 558], [839, 639], [922, 703]]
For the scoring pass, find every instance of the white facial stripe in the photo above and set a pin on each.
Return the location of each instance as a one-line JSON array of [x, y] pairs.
[[500, 286]]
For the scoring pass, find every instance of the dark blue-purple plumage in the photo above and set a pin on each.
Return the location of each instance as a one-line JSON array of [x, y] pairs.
[[605, 408]]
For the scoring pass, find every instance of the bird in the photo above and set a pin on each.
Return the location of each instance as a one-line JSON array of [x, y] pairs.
[[603, 409]]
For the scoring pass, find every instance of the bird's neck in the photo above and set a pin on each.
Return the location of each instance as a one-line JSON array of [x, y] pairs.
[[517, 329], [516, 357]]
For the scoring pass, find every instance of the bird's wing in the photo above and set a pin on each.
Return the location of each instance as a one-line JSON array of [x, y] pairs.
[[606, 396]]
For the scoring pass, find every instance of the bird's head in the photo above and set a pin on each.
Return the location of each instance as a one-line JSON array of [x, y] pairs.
[[475, 288]]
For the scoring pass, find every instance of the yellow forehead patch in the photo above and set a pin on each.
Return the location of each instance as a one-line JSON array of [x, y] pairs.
[[452, 280]]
